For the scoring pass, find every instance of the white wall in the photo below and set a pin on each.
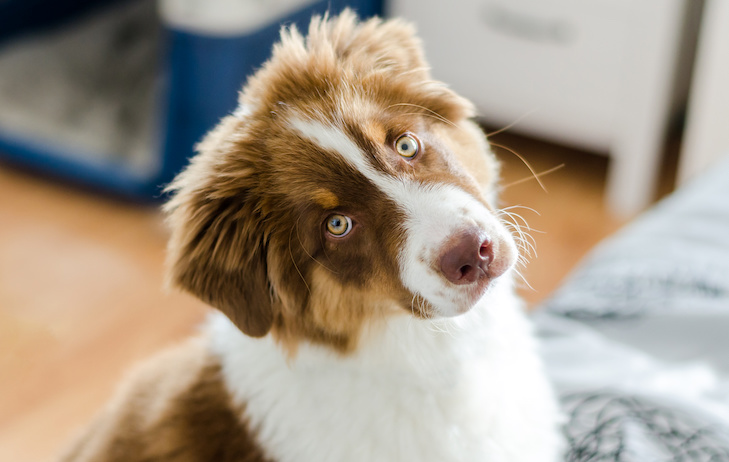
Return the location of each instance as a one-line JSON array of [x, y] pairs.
[[707, 128]]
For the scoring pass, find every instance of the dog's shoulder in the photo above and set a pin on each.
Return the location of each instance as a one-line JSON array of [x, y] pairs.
[[174, 406]]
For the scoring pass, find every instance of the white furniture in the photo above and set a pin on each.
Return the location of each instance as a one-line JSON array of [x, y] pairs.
[[597, 74], [707, 125]]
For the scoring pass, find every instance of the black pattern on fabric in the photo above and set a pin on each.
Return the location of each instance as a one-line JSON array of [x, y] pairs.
[[611, 427], [614, 293]]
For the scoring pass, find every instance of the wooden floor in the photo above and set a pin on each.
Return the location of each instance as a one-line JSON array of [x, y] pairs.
[[81, 294]]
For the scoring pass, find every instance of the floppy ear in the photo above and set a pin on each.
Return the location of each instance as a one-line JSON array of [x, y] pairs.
[[217, 248]]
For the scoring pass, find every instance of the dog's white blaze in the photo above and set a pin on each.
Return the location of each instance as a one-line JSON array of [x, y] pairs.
[[433, 213], [334, 140]]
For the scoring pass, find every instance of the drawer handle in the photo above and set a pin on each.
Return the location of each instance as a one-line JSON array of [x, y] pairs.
[[528, 27]]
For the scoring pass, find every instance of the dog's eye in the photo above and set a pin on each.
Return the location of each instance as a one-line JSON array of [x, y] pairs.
[[407, 146], [339, 225]]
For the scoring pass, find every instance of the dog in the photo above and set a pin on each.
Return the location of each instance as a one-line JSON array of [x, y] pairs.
[[343, 222]]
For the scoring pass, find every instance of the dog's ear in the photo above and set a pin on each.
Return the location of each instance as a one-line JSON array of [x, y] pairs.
[[217, 249]]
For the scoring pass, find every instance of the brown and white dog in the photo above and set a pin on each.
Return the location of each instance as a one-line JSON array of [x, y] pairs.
[[343, 222]]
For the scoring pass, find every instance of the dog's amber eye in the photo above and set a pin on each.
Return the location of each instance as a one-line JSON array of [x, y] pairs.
[[339, 225], [407, 146]]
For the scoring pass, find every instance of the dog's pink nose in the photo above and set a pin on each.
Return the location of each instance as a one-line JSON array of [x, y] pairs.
[[466, 258]]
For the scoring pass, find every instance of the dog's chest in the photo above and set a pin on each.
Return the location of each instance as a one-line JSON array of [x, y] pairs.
[[425, 406], [335, 418]]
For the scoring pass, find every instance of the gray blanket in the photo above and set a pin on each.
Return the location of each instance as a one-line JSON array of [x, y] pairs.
[[637, 340]]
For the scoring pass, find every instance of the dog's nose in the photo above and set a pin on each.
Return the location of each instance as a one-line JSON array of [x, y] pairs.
[[466, 258]]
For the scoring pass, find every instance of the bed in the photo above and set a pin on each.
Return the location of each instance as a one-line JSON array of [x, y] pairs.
[[637, 338]]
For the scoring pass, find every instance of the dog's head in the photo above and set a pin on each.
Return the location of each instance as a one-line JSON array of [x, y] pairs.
[[347, 187]]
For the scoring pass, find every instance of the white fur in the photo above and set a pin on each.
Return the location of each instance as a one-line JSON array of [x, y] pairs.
[[467, 388]]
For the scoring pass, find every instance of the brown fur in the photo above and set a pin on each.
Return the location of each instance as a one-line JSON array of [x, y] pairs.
[[174, 408]]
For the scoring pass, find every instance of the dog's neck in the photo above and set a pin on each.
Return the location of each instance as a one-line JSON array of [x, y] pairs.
[[415, 389], [422, 350]]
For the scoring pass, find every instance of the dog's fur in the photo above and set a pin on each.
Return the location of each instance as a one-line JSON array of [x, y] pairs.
[[351, 348]]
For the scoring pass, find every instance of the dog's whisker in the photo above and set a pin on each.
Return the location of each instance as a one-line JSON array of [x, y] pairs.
[[301, 244], [524, 161], [515, 216], [432, 116], [440, 327], [412, 304], [419, 301], [293, 261], [518, 206], [530, 178], [525, 240], [529, 249], [522, 260], [513, 221], [432, 112], [512, 124], [524, 250], [524, 255], [516, 219], [526, 244], [422, 308], [523, 279]]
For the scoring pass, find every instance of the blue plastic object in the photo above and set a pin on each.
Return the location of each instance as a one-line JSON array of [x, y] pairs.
[[206, 74], [203, 77]]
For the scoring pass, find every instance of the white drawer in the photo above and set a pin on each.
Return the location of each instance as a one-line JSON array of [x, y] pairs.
[[560, 61]]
